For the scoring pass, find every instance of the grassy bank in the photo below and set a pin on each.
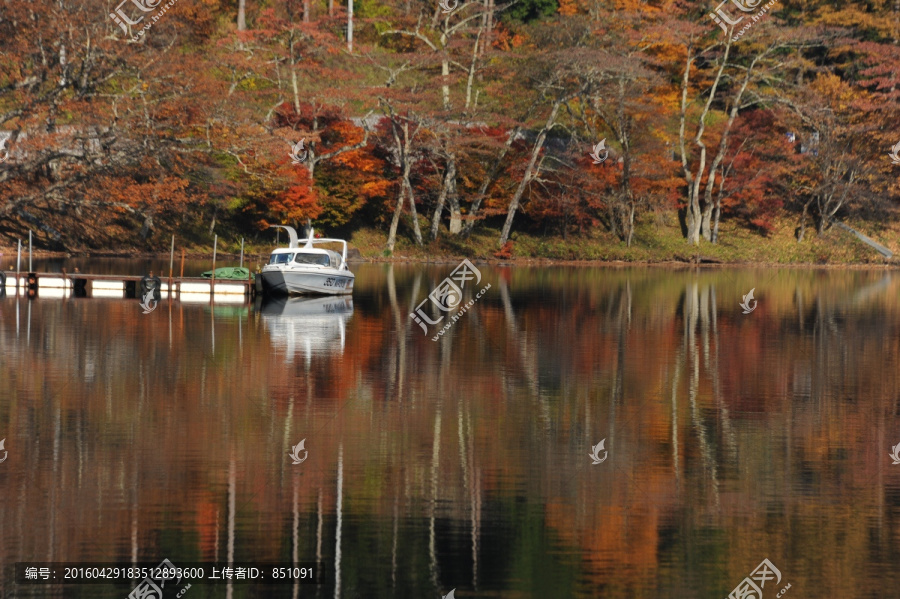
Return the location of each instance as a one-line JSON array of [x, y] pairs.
[[653, 242]]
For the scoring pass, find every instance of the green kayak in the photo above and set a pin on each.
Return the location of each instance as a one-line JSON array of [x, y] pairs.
[[229, 273]]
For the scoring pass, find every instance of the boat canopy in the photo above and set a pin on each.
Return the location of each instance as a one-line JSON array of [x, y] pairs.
[[313, 257]]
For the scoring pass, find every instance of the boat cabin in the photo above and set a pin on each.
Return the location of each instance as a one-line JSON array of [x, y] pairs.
[[306, 257]]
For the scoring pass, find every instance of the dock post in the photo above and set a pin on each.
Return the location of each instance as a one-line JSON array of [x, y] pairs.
[[18, 266], [242, 252], [212, 280], [171, 263], [29, 252], [32, 284]]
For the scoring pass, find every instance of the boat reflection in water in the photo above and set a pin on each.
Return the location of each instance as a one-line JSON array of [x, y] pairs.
[[311, 325]]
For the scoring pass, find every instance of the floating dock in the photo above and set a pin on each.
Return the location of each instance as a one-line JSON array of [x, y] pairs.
[[59, 285]]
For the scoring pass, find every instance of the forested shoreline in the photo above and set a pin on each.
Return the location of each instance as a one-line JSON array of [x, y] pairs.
[[574, 129]]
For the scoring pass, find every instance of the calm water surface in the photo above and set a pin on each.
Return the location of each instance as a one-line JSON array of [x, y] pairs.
[[464, 463]]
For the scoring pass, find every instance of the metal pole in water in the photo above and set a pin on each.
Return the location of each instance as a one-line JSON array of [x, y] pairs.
[[171, 263], [18, 265], [242, 252], [29, 252], [212, 280]]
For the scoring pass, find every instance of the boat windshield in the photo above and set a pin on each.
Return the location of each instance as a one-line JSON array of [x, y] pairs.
[[280, 258], [320, 259]]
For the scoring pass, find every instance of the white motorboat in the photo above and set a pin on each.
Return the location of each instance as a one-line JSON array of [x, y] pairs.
[[308, 270]]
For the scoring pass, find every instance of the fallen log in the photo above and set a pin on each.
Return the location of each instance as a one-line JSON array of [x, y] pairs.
[[868, 241]]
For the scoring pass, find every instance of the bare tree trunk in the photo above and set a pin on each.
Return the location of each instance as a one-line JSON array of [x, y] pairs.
[[801, 230], [471, 77], [819, 217], [529, 170], [630, 225], [479, 45], [294, 77], [453, 198], [489, 25], [449, 175], [330, 8], [148, 226], [242, 16], [445, 69], [306, 11], [392, 232], [613, 221], [401, 195], [716, 213], [896, 22], [706, 222], [405, 187], [412, 208], [350, 26]]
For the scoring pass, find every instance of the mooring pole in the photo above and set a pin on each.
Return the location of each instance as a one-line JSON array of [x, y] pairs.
[[212, 281], [242, 252], [18, 265], [171, 263], [181, 276], [29, 252]]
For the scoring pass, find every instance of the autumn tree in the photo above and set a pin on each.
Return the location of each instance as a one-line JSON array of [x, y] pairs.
[[718, 79], [403, 131], [839, 156]]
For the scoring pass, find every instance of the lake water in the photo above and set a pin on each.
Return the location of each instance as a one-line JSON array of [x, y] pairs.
[[464, 463]]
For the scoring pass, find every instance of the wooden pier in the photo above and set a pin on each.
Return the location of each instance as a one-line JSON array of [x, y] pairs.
[[61, 284], [77, 284]]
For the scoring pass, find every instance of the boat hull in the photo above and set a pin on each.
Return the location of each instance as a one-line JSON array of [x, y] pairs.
[[301, 282]]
